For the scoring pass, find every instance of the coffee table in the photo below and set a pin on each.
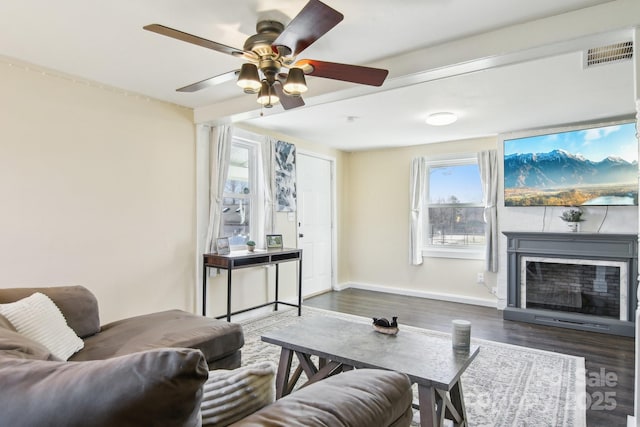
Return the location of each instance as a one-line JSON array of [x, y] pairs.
[[341, 345]]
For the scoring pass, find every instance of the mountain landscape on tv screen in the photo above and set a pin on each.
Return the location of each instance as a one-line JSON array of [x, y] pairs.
[[560, 178]]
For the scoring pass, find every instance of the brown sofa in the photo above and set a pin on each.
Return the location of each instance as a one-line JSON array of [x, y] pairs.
[[150, 370], [358, 398], [219, 341]]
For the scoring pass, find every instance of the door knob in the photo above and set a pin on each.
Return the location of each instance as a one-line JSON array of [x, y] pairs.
[[301, 235]]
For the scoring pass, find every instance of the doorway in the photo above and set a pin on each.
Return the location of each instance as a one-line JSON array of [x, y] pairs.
[[315, 222]]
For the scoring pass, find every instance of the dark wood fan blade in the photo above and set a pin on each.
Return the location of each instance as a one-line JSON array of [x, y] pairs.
[[190, 38], [288, 102], [313, 21], [212, 81], [345, 72]]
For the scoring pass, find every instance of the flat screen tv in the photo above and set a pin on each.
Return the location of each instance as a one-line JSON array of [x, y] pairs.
[[595, 166]]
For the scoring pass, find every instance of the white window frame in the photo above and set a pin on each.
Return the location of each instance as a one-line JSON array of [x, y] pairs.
[[256, 194], [460, 252]]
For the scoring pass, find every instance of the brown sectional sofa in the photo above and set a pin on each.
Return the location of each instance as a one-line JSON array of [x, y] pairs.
[[149, 371], [218, 340]]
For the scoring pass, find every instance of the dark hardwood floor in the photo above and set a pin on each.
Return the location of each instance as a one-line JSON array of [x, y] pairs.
[[611, 355]]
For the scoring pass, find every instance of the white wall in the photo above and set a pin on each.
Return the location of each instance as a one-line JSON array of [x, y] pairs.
[[96, 188]]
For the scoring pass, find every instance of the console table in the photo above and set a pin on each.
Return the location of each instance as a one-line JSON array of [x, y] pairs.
[[245, 259]]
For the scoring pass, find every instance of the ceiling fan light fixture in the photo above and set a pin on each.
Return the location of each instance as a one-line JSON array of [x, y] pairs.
[[441, 119], [267, 96], [295, 85], [248, 79]]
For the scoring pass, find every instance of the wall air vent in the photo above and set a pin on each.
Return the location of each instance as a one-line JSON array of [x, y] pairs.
[[616, 52]]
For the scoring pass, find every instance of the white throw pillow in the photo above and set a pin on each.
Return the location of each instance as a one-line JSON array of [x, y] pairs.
[[230, 395], [38, 318]]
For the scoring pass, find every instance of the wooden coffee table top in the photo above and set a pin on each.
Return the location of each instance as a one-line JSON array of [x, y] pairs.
[[427, 360]]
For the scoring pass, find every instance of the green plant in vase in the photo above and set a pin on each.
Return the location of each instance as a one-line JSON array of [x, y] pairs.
[[572, 217], [251, 245]]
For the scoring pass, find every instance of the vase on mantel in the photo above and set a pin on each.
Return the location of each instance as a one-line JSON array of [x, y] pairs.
[[572, 217], [574, 226]]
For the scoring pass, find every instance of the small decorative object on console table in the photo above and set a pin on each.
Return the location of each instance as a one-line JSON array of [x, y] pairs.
[[572, 217], [222, 246], [383, 325], [274, 241], [251, 245]]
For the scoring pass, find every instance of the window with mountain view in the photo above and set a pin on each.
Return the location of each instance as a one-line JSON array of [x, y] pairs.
[[454, 208]]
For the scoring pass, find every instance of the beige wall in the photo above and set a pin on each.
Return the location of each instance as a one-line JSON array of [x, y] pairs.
[[97, 188], [377, 234]]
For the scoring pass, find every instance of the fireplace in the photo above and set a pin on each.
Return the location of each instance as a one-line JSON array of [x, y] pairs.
[[576, 280]]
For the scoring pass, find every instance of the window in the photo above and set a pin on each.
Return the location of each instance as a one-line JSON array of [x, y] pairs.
[[454, 210], [241, 194]]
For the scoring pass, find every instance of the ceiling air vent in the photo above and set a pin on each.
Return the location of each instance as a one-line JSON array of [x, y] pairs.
[[616, 52]]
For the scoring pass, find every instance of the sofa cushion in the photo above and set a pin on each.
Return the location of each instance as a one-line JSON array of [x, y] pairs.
[[78, 305], [172, 328], [360, 398], [5, 324], [161, 387], [16, 345], [38, 318], [230, 395]]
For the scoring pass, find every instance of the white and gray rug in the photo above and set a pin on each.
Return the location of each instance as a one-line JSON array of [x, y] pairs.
[[504, 386]]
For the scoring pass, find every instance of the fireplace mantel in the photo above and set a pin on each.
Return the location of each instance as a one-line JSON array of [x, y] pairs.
[[619, 248]]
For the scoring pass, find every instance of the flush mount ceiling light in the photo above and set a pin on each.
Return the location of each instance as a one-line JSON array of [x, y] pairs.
[[441, 119]]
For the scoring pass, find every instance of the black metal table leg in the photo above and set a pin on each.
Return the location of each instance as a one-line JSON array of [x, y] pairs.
[[204, 290], [277, 282], [229, 295], [300, 286]]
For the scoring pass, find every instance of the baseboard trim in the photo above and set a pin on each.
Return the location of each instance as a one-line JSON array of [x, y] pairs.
[[493, 303]]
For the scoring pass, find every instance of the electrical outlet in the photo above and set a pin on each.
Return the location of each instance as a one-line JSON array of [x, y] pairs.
[[480, 279]]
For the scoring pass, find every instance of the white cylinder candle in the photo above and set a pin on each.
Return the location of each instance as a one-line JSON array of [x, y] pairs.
[[461, 334]]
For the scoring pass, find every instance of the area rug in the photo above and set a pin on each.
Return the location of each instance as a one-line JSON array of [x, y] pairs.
[[505, 386]]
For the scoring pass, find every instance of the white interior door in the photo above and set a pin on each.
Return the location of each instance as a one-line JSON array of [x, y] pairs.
[[315, 219]]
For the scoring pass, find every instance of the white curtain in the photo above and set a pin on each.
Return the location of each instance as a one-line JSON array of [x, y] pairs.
[[418, 178], [488, 165], [268, 173], [219, 154]]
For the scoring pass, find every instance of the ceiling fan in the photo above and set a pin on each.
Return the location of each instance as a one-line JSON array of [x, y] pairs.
[[275, 48]]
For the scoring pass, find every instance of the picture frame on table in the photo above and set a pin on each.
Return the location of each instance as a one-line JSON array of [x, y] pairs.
[[222, 244], [274, 241]]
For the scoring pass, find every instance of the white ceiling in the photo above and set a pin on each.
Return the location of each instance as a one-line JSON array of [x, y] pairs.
[[103, 41]]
